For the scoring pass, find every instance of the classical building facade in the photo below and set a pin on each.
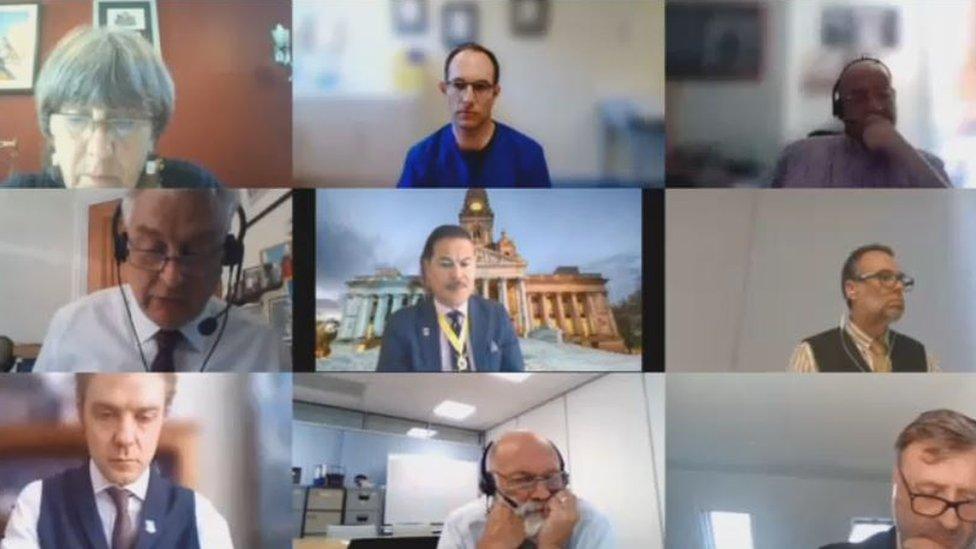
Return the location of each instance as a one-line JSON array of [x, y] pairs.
[[567, 300]]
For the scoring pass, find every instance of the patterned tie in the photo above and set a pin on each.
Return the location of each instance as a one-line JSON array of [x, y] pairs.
[[166, 342], [123, 533], [455, 318], [879, 356]]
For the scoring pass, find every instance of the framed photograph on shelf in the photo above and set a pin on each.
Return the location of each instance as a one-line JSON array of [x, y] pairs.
[[279, 315], [20, 25], [133, 15]]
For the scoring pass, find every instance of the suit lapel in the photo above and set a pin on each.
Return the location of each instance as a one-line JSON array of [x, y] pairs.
[[153, 511], [429, 335], [81, 498], [479, 330]]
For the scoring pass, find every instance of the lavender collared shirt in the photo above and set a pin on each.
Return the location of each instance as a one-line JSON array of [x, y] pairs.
[[839, 161]]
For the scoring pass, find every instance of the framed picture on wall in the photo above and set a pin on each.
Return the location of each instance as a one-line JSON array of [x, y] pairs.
[[530, 17], [714, 41], [409, 16], [459, 23], [20, 25], [133, 15]]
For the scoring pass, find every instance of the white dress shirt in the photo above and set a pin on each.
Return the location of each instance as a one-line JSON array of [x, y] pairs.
[[442, 310], [93, 334], [21, 532]]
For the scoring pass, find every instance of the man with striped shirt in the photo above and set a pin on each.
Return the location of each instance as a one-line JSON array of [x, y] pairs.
[[874, 287]]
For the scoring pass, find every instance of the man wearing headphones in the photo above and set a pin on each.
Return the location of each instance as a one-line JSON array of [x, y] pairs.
[[528, 503], [874, 287], [170, 248], [870, 152]]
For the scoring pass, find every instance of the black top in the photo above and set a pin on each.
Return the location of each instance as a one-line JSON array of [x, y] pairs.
[[884, 540], [176, 174], [835, 351], [475, 160]]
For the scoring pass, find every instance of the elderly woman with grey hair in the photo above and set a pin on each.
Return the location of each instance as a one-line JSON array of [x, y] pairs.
[[104, 97]]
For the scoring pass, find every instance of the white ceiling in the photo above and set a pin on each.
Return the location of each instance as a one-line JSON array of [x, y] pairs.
[[414, 395], [842, 425]]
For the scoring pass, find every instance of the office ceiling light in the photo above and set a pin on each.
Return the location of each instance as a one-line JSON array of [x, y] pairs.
[[417, 432], [514, 378], [730, 530], [454, 410]]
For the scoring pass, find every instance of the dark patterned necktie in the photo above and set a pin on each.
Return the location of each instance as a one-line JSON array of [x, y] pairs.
[[166, 342], [123, 532], [455, 318]]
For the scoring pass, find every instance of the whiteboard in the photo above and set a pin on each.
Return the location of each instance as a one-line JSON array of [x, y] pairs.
[[424, 489]]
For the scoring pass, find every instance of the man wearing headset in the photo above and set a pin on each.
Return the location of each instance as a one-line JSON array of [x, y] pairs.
[[933, 498], [529, 503], [170, 250], [870, 152], [874, 287]]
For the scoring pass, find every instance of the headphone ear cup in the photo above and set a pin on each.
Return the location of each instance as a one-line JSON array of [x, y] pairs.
[[121, 247], [487, 485], [233, 251]]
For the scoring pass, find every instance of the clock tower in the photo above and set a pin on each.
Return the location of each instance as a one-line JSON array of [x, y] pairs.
[[477, 218]]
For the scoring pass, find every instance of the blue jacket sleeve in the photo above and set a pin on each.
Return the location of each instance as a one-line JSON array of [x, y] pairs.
[[394, 351], [511, 352]]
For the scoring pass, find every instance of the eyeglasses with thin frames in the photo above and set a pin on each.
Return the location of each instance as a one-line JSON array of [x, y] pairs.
[[82, 126], [194, 264], [553, 483], [480, 88]]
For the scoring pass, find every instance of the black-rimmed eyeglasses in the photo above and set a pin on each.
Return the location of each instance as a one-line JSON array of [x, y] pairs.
[[933, 506]]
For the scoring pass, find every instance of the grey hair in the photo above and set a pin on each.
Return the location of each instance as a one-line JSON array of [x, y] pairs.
[[108, 68], [224, 201]]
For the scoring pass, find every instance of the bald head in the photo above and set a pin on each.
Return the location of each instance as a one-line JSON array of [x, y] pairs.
[[523, 452]]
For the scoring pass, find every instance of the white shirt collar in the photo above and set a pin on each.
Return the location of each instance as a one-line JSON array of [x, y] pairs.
[[100, 483], [444, 309], [146, 329]]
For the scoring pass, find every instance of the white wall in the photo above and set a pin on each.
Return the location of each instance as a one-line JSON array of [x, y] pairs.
[[218, 404], [751, 273], [36, 236], [608, 449], [550, 85], [786, 511]]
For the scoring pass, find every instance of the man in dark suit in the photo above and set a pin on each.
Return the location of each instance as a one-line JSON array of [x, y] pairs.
[[117, 499], [450, 329], [934, 478]]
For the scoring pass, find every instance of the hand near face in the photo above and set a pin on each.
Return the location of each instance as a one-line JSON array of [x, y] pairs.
[[563, 516], [880, 135], [503, 530]]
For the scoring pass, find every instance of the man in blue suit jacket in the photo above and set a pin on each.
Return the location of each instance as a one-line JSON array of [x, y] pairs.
[[451, 329], [473, 150]]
